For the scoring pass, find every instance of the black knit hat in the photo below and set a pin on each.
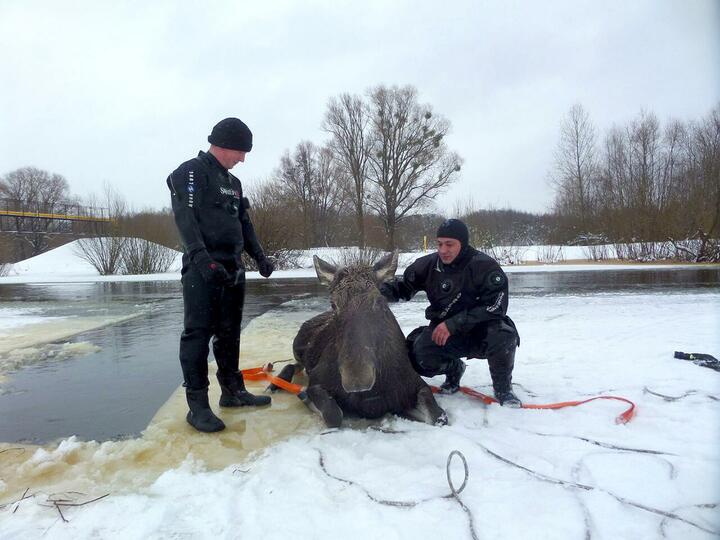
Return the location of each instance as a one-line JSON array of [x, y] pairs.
[[454, 228], [233, 134]]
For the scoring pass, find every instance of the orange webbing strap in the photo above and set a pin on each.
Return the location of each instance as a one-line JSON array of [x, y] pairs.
[[623, 418], [261, 373]]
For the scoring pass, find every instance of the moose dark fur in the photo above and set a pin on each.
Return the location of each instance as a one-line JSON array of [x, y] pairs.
[[355, 354]]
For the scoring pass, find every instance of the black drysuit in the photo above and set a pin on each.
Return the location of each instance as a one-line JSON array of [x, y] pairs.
[[211, 216], [470, 296]]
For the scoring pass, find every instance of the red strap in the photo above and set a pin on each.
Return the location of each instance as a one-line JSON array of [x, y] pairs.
[[262, 373], [623, 418]]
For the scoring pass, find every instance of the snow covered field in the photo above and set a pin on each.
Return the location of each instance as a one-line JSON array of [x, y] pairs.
[[63, 265], [571, 473]]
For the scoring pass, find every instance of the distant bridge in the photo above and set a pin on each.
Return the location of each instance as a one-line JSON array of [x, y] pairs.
[[19, 216], [64, 211]]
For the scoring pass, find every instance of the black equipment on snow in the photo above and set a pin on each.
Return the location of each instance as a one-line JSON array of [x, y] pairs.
[[700, 359]]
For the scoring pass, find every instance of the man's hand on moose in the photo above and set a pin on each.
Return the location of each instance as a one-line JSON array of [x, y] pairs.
[[441, 334]]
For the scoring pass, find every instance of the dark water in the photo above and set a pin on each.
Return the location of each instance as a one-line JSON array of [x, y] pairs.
[[116, 391]]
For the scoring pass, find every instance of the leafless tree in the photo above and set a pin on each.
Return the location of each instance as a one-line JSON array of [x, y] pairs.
[[409, 162], [576, 167], [346, 120], [104, 248], [274, 222], [705, 173], [35, 190], [139, 256], [311, 179]]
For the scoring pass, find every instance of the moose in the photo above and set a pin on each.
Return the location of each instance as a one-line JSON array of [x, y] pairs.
[[355, 354]]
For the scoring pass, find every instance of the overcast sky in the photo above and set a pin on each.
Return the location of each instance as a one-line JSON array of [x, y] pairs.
[[123, 91]]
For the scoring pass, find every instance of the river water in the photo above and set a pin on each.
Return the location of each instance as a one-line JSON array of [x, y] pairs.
[[117, 377]]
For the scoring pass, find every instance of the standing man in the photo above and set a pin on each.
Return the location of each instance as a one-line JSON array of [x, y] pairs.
[[468, 293], [215, 228]]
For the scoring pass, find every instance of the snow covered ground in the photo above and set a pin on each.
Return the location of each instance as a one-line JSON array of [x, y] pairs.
[[571, 473]]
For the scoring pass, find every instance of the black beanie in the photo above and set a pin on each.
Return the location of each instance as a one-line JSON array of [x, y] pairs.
[[454, 228], [233, 134]]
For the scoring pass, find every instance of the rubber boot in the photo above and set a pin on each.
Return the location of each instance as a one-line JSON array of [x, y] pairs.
[[235, 395], [501, 367], [200, 415], [453, 374]]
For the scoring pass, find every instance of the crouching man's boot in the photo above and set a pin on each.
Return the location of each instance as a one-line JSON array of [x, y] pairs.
[[453, 374], [501, 367], [200, 415], [235, 395]]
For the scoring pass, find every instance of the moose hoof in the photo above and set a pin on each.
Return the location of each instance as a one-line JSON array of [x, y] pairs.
[[325, 405], [332, 416]]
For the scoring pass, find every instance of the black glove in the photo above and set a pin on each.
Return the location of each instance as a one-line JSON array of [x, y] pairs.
[[211, 271], [265, 267]]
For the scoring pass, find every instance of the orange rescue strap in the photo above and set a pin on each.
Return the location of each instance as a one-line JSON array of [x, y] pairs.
[[623, 418], [263, 373]]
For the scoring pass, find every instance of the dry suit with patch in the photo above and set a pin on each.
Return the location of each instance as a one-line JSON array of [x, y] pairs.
[[211, 216], [470, 296]]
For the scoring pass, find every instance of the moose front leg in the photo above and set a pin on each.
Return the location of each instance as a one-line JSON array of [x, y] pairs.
[[427, 410], [320, 401], [286, 374]]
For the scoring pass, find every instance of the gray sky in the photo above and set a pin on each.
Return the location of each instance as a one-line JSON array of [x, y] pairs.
[[122, 92]]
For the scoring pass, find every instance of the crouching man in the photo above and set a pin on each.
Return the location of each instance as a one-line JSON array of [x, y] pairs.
[[468, 294]]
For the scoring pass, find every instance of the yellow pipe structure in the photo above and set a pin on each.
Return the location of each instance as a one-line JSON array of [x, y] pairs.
[[20, 213]]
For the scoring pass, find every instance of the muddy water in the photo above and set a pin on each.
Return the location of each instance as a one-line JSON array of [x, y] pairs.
[[168, 441], [122, 373]]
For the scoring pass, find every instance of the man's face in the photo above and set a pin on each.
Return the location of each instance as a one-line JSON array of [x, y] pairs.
[[233, 157], [448, 249]]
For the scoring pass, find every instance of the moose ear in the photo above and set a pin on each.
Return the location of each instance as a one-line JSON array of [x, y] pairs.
[[325, 271], [386, 267]]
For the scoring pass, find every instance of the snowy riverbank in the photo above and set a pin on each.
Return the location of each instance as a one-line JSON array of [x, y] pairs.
[[543, 474], [273, 474], [63, 265]]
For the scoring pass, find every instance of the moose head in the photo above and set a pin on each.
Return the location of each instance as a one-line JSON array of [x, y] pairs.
[[351, 284], [361, 317]]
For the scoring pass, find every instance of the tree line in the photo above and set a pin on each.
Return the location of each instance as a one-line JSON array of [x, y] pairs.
[[640, 182], [384, 160]]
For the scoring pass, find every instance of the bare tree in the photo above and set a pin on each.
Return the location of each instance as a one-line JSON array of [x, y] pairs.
[[706, 142], [273, 219], [331, 200], [37, 191], [104, 248], [409, 162], [576, 167], [139, 256], [311, 180], [347, 121], [296, 182]]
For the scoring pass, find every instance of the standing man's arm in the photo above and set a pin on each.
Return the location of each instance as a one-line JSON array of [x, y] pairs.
[[251, 242]]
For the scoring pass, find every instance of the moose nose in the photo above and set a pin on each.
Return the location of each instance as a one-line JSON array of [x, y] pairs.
[[357, 377]]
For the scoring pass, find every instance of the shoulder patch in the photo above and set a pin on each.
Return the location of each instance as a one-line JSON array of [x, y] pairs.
[[495, 279]]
